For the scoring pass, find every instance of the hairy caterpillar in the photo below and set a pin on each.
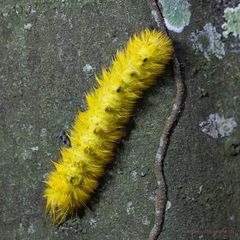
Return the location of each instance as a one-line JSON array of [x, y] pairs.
[[95, 132]]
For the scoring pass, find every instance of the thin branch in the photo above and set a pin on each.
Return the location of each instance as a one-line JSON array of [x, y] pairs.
[[161, 191], [156, 11]]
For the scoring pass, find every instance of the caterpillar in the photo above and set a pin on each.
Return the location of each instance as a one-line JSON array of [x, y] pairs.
[[95, 132]]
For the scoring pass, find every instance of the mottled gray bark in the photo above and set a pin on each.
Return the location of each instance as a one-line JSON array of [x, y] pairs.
[[50, 52]]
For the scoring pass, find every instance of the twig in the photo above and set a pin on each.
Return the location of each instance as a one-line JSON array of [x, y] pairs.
[[161, 191], [156, 11]]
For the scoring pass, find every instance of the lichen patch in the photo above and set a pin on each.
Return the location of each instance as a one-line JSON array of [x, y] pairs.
[[232, 24], [208, 41], [216, 126]]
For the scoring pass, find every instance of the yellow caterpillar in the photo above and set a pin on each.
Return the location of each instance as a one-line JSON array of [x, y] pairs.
[[95, 132]]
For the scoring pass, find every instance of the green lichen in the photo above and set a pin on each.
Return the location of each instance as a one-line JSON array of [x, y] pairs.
[[232, 24], [208, 41], [176, 14]]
